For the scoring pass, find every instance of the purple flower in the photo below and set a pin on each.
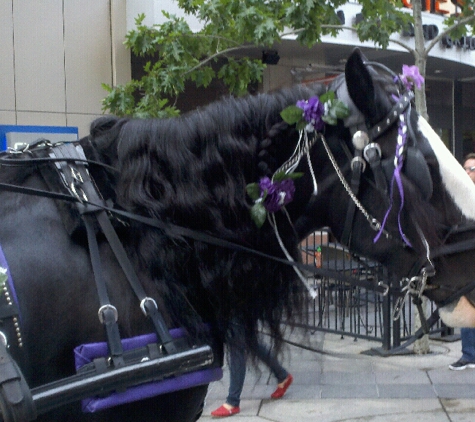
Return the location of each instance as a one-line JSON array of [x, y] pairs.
[[276, 194], [313, 110], [411, 76]]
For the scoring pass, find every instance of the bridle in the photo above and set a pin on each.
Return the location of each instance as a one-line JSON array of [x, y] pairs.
[[368, 152]]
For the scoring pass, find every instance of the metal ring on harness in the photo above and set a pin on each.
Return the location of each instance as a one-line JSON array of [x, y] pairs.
[[76, 194], [360, 160], [103, 308], [144, 301], [372, 145]]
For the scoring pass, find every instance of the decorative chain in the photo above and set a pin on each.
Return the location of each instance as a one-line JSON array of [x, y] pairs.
[[373, 222]]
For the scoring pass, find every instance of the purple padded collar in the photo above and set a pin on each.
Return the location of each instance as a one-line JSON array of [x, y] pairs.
[[87, 352]]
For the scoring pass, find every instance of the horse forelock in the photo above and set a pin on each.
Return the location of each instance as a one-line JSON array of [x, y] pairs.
[[456, 182]]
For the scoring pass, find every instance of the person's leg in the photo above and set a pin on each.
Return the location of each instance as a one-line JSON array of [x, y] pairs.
[[237, 373], [468, 344], [266, 356], [284, 379]]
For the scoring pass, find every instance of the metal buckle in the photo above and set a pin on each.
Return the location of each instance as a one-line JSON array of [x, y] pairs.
[[360, 160], [103, 308], [81, 195], [372, 145], [75, 173], [144, 301]]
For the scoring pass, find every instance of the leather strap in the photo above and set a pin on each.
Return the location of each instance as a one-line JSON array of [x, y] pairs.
[[84, 189], [350, 212], [77, 180]]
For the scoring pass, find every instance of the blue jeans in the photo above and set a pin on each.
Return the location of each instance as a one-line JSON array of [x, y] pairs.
[[237, 364], [468, 344]]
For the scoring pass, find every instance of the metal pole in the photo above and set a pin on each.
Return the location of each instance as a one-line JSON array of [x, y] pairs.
[[386, 315]]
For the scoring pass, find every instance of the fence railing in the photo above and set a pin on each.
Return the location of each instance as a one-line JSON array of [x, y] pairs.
[[344, 308]]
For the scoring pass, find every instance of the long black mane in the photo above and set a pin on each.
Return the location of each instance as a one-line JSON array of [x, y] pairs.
[[192, 171]]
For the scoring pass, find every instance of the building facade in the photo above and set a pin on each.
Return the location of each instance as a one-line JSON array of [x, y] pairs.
[[56, 54]]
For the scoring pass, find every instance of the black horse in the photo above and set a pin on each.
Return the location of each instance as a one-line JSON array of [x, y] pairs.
[[190, 241]]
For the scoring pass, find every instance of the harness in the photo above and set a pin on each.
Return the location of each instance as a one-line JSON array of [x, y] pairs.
[[162, 356]]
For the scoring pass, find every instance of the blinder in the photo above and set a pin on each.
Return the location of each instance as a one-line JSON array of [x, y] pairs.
[[414, 167]]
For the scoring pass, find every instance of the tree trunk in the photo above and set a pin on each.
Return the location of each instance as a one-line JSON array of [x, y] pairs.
[[421, 346], [420, 57]]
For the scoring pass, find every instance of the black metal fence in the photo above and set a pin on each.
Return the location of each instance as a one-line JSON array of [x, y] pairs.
[[342, 307]]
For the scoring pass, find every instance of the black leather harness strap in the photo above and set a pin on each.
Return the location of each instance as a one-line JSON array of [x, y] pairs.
[[82, 186], [372, 154], [75, 177], [383, 125], [147, 304], [357, 168]]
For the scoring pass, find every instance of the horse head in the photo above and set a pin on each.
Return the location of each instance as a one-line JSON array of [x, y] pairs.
[[402, 196]]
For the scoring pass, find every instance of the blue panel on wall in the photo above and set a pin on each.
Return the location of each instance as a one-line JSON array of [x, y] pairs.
[[10, 134]]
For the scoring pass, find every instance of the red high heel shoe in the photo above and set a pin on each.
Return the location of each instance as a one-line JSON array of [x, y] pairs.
[[280, 391], [222, 412]]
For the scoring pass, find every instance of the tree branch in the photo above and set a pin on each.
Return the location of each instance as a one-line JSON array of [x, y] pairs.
[[461, 22], [219, 53]]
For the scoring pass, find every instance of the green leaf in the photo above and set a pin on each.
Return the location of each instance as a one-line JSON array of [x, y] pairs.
[[330, 119], [336, 110], [258, 214], [295, 176], [341, 110], [253, 191], [292, 114], [327, 96], [278, 177], [301, 125]]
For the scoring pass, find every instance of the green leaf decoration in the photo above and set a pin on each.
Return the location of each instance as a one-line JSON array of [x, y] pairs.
[[291, 114], [301, 125], [278, 177], [295, 176], [341, 110], [258, 214], [327, 96], [253, 191], [329, 119], [336, 110]]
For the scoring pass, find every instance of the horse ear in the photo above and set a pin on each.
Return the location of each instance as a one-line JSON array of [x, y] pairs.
[[360, 83]]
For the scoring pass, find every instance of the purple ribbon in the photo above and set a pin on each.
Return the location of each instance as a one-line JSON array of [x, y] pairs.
[[402, 139]]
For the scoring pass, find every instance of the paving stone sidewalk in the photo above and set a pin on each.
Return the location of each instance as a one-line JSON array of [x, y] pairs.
[[346, 384]]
